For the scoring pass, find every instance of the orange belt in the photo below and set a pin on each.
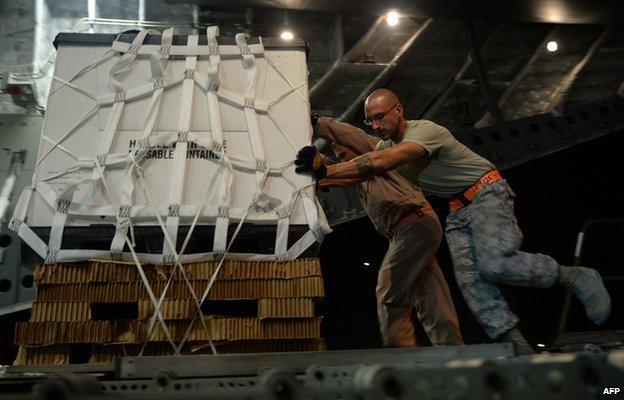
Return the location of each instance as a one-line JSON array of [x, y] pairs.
[[461, 201]]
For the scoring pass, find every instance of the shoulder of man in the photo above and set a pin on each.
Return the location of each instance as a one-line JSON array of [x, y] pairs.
[[424, 125], [431, 136]]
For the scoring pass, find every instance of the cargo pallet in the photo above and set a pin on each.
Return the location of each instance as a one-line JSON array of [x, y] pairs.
[[102, 308]]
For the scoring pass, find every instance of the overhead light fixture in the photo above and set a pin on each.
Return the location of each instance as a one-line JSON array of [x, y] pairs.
[[540, 345], [552, 46], [366, 264], [287, 35], [392, 18]]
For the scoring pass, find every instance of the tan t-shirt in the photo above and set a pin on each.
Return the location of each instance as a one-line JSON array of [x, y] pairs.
[[449, 167]]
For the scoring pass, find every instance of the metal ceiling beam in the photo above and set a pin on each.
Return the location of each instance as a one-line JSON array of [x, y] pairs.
[[487, 118], [484, 82], [458, 79], [559, 93], [384, 75], [317, 89], [549, 11]]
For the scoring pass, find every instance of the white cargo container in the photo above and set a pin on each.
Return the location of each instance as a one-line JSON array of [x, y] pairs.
[[146, 133]]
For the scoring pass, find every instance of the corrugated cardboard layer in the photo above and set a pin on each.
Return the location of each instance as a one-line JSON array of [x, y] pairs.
[[181, 309], [110, 353], [94, 292], [46, 355], [89, 272], [103, 271], [60, 273], [170, 309], [285, 308], [235, 270], [248, 289], [263, 346], [44, 333], [60, 311], [244, 329], [221, 290]]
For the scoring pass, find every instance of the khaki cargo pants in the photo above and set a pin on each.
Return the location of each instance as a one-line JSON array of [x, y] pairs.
[[409, 278]]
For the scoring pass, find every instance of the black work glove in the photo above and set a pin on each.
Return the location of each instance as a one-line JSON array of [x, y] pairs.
[[309, 160], [314, 119]]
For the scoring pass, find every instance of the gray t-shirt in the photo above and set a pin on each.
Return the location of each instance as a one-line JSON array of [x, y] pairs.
[[449, 167]]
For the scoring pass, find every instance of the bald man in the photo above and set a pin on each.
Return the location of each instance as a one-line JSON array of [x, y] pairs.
[[481, 229]]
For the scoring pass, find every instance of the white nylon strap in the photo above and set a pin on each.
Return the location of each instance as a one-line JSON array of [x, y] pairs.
[[293, 88], [150, 292], [112, 126], [142, 211], [281, 236], [301, 245], [126, 61], [121, 232], [108, 136], [279, 128], [63, 202], [143, 91], [158, 59], [158, 63], [222, 166], [78, 125], [249, 64], [61, 147], [105, 56], [213, 278], [152, 297], [312, 215], [212, 84], [317, 222], [177, 258], [284, 135], [60, 205], [68, 255], [302, 96], [21, 208], [179, 154], [216, 129], [75, 87], [188, 50], [18, 224], [223, 211], [208, 83], [99, 167], [34, 241]]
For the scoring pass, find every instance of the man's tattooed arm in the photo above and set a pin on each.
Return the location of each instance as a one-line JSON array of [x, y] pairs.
[[376, 162], [365, 167]]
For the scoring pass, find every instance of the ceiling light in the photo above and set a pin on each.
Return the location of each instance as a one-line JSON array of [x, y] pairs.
[[392, 18], [552, 46], [541, 345], [366, 264], [287, 35]]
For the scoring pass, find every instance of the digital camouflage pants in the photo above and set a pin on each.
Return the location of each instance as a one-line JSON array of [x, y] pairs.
[[484, 240]]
